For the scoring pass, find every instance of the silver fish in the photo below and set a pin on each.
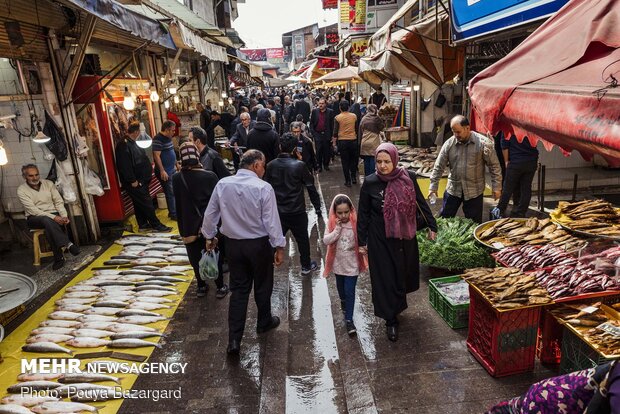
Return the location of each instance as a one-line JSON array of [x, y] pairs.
[[168, 240], [102, 311], [104, 326], [87, 342], [131, 343], [116, 262], [14, 409], [127, 327], [146, 261], [151, 299], [87, 377], [64, 316], [169, 279], [45, 347], [27, 400], [147, 306], [80, 295], [121, 298], [154, 282], [51, 330], [135, 335], [125, 256], [73, 308], [96, 318], [110, 304], [155, 287], [141, 320], [160, 247], [59, 407], [48, 338], [136, 312], [93, 333], [146, 268], [177, 259], [115, 283], [59, 324], [81, 288], [30, 376], [30, 386], [136, 271], [152, 292], [73, 301]]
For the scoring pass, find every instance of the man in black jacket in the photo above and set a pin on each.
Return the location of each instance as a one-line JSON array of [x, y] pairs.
[[288, 176], [322, 129], [223, 120], [209, 158], [240, 137], [305, 147], [135, 171], [205, 116], [263, 137], [302, 108]]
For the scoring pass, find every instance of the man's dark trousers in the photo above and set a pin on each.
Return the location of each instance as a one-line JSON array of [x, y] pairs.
[[250, 262], [518, 181], [349, 158], [54, 233], [323, 149], [472, 209], [298, 225], [142, 205]]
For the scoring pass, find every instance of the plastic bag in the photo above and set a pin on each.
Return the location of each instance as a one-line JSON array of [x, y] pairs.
[[208, 265], [64, 185], [92, 182]]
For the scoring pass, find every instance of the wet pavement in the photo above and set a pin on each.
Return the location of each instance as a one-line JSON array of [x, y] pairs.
[[309, 364]]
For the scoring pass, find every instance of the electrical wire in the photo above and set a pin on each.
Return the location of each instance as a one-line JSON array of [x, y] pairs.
[[610, 80]]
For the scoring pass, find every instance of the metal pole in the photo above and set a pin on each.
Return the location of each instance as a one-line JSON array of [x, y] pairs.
[[418, 118]]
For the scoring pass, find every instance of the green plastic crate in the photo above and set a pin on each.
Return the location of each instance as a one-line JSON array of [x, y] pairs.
[[577, 355], [457, 316]]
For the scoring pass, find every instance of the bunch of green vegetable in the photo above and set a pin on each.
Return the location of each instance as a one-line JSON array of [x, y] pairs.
[[455, 246]]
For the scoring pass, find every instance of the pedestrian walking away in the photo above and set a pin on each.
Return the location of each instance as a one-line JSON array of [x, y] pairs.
[[466, 153], [322, 130], [370, 131], [193, 187], [165, 163], [289, 176], [343, 256], [247, 208], [209, 158], [263, 137], [390, 201], [345, 138], [45, 209], [135, 172]]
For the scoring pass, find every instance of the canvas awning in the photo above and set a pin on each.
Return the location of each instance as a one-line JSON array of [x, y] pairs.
[[342, 75], [380, 39], [420, 50], [187, 39], [557, 86]]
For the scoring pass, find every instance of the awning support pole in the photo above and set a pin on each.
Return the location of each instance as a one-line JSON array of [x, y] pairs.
[[78, 58], [172, 67]]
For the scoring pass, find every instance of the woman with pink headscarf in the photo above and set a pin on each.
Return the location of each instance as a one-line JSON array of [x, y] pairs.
[[391, 210]]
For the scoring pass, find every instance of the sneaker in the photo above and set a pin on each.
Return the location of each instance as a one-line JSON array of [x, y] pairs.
[[222, 292], [351, 330], [173, 217], [201, 292], [73, 249], [163, 229], [307, 270], [354, 180], [58, 264]]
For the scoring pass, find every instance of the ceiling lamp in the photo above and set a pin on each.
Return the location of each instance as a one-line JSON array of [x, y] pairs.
[[143, 140], [172, 88], [176, 99], [224, 95], [128, 102], [3, 158], [154, 95], [40, 138], [167, 104]]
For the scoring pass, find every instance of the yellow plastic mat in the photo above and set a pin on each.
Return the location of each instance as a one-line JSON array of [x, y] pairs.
[[11, 352]]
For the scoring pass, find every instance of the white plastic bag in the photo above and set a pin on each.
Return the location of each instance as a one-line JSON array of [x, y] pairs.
[[92, 182], [208, 265], [64, 185]]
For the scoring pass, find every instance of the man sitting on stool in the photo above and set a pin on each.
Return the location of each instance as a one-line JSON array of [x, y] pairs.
[[45, 209]]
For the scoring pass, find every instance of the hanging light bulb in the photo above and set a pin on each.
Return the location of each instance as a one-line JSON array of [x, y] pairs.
[[3, 158], [143, 140], [167, 104], [40, 138], [128, 102], [224, 95], [176, 99], [154, 95], [172, 88], [221, 104]]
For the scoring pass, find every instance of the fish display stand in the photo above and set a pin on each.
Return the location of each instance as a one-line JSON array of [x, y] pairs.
[[456, 316], [504, 342], [578, 354], [549, 345]]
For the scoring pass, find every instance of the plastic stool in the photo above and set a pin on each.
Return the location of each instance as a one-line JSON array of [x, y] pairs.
[[36, 245]]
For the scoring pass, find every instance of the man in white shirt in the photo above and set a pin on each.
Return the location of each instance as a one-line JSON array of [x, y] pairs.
[[45, 209]]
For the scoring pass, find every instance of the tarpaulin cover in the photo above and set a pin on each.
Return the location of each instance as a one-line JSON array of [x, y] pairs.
[[558, 85], [129, 20]]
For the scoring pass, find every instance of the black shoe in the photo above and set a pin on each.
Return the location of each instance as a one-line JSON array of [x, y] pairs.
[[392, 333], [222, 292], [347, 184], [307, 270], [162, 228], [354, 180], [145, 228], [233, 347], [73, 249], [326, 168], [201, 292], [275, 321], [172, 217], [351, 330], [58, 264]]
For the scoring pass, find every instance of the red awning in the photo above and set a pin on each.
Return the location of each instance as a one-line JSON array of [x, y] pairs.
[[560, 84]]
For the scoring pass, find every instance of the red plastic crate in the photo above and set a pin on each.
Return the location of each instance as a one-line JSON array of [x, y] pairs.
[[549, 348], [503, 342]]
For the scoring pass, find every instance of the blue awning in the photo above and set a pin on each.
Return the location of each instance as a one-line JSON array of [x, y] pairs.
[[133, 22]]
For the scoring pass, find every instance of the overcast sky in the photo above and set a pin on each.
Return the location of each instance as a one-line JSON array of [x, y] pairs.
[[262, 22]]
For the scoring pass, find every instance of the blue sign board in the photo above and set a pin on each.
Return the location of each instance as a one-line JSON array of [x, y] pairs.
[[475, 18]]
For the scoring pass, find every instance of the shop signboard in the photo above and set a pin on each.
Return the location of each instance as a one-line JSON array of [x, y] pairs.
[[299, 47], [330, 4], [256, 55], [352, 16], [332, 38], [275, 55], [474, 18], [358, 48]]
